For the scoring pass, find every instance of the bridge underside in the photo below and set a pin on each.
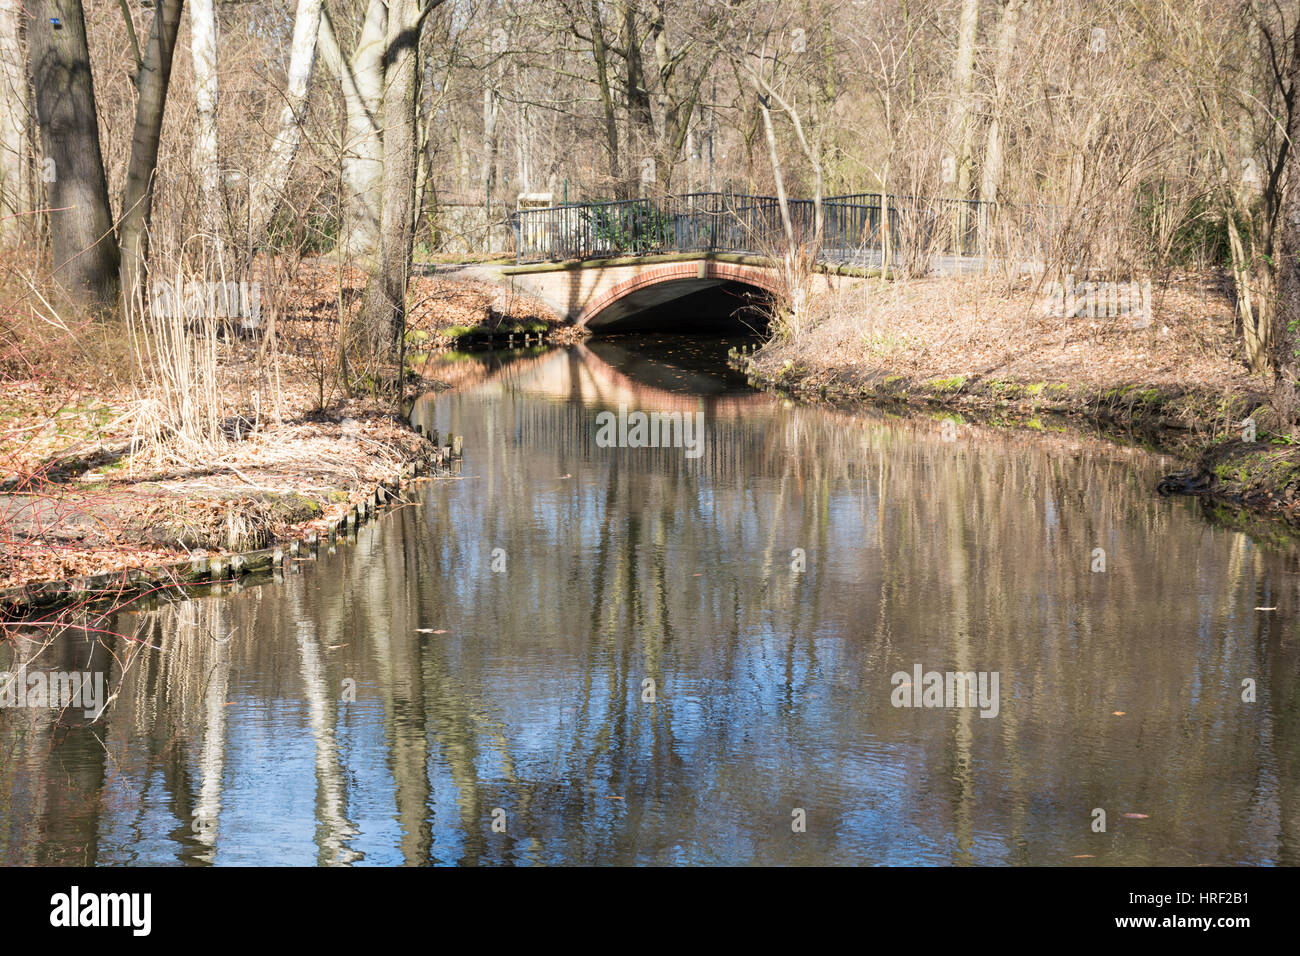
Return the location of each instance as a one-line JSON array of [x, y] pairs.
[[696, 305]]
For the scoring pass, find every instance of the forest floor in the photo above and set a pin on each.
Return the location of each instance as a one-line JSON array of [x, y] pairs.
[[1173, 378], [83, 492]]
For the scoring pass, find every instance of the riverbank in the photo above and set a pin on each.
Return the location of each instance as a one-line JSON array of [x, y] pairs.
[[1173, 376], [100, 512], [90, 495]]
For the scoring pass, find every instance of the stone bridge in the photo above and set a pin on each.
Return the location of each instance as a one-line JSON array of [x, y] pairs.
[[606, 293], [709, 257]]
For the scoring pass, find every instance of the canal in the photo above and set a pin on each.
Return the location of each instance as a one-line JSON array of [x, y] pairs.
[[577, 653]]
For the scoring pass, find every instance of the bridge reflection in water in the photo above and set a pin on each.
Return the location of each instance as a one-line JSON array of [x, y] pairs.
[[381, 704]]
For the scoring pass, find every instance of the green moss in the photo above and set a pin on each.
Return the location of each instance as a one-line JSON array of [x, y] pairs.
[[1258, 471], [947, 384], [1036, 389]]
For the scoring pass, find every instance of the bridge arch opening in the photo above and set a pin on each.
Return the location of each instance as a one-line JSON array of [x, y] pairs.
[[700, 296], [689, 306]]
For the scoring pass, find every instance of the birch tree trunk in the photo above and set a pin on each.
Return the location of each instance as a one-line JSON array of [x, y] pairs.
[[960, 129], [203, 49], [137, 200], [81, 223], [15, 165], [362, 79], [302, 55]]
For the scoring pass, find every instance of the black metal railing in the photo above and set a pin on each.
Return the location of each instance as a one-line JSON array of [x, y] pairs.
[[866, 228]]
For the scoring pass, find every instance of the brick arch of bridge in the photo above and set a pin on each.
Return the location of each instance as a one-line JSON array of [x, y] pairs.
[[759, 277]]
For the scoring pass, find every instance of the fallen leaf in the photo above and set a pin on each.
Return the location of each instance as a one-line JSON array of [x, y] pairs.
[[1135, 816], [1117, 713], [1085, 856]]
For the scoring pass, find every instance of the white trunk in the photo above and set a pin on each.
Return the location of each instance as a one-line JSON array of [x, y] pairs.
[[991, 176], [302, 54], [203, 48], [362, 80], [15, 169], [960, 131]]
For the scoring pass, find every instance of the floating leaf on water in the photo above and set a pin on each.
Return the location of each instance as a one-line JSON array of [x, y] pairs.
[[1117, 713], [1135, 816]]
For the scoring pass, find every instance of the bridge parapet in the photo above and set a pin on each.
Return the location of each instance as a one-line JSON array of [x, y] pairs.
[[863, 229]]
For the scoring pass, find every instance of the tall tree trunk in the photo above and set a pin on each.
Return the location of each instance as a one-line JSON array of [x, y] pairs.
[[362, 79], [1287, 312], [641, 137], [15, 161], [991, 174], [81, 224], [383, 305], [960, 128], [491, 134], [275, 174], [203, 48], [137, 200], [600, 55]]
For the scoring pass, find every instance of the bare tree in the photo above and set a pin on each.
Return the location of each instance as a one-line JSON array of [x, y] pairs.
[[383, 306], [137, 200], [269, 186], [203, 49], [82, 237]]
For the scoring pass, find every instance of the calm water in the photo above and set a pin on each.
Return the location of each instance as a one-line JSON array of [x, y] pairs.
[[477, 660]]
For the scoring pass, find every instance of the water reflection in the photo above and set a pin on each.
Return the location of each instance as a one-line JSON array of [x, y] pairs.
[[391, 702]]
